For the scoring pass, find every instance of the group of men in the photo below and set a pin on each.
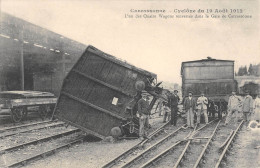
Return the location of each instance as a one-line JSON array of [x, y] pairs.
[[236, 104], [190, 105]]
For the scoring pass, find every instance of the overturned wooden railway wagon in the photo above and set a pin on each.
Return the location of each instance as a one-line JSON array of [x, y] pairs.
[[101, 92], [214, 77]]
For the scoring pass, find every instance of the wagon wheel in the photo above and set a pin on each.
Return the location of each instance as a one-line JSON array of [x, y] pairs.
[[44, 110], [17, 114], [25, 112]]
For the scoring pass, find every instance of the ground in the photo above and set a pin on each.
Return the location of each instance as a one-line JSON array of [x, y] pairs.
[[245, 153], [90, 154], [95, 154]]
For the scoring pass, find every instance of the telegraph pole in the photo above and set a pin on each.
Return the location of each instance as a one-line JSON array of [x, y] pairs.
[[22, 61]]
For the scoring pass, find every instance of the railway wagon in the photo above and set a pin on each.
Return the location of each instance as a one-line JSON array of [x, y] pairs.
[[100, 93], [214, 77], [17, 103]]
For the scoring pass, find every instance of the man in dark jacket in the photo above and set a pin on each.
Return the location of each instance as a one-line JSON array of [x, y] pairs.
[[143, 106], [173, 100], [190, 106]]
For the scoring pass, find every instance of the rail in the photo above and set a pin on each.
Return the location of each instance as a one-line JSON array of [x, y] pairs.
[[44, 154], [126, 153], [181, 157], [46, 126], [25, 125], [151, 148], [198, 162], [39, 140], [223, 154]]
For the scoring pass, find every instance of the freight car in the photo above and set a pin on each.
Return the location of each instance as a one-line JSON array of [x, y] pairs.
[[100, 94], [18, 103], [214, 77]]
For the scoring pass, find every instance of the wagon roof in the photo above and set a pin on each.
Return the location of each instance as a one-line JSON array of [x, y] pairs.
[[118, 61], [208, 60], [27, 93], [204, 60]]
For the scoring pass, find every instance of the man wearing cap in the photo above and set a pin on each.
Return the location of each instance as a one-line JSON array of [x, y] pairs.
[[173, 100], [202, 108], [143, 105], [247, 106], [233, 104], [189, 106]]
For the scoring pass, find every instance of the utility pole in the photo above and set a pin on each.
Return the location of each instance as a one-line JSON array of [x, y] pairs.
[[22, 61]]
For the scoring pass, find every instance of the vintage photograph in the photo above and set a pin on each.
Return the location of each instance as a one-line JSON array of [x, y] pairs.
[[129, 84]]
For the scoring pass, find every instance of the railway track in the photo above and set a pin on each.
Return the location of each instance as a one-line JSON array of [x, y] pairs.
[[157, 143], [26, 128], [176, 152], [23, 153], [215, 151], [199, 141], [25, 125], [154, 135], [228, 146]]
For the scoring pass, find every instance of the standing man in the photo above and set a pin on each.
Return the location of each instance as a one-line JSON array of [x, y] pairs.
[[202, 108], [173, 101], [257, 108], [189, 106], [160, 106], [143, 105], [166, 113], [247, 106], [233, 104]]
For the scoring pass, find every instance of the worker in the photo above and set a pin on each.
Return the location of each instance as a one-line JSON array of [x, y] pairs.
[[202, 108], [189, 107], [247, 106], [257, 108], [173, 100], [160, 107], [212, 108], [143, 105], [166, 111], [234, 102]]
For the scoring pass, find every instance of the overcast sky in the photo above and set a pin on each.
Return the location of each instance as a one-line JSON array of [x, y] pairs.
[[158, 45]]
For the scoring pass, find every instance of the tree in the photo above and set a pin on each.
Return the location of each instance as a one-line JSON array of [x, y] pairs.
[[242, 71], [250, 70]]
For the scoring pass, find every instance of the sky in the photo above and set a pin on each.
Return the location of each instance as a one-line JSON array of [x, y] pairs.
[[154, 44]]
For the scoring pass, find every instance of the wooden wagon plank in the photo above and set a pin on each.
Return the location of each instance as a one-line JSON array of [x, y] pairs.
[[92, 105], [82, 128], [103, 83]]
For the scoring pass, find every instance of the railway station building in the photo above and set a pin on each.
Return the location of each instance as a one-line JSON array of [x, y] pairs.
[[32, 57]]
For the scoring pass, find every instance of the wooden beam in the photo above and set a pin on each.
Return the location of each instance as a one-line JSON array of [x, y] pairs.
[[92, 105], [103, 83]]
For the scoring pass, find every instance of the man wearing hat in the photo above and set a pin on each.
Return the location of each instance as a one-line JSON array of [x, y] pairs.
[[233, 104], [202, 108], [143, 106], [173, 100], [189, 106], [247, 106]]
